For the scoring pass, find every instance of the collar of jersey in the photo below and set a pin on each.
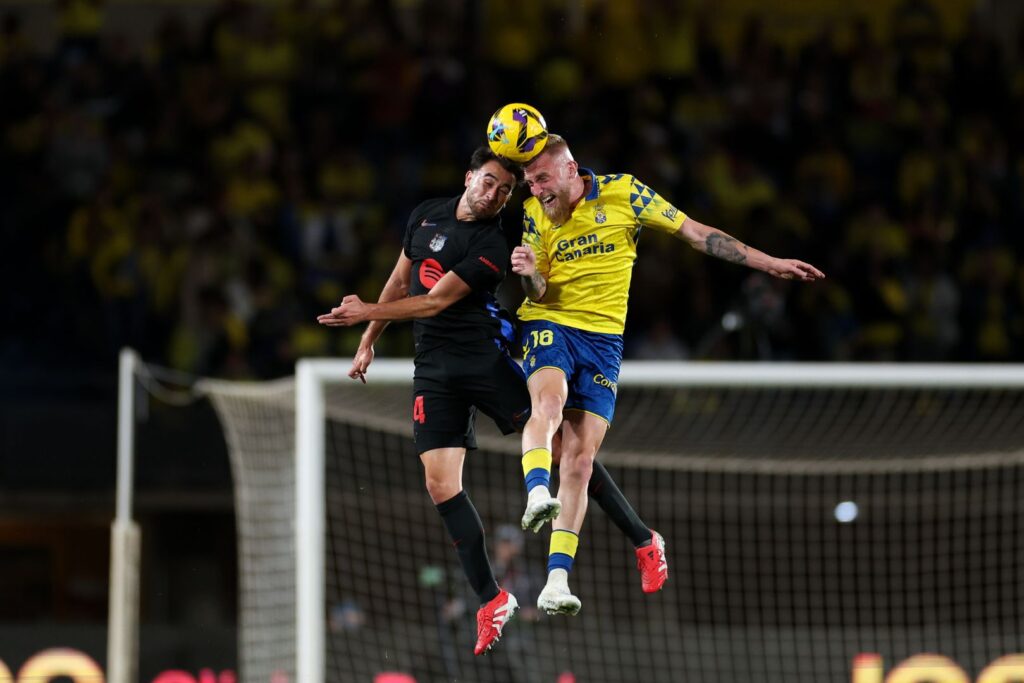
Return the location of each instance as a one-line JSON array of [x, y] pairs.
[[595, 189]]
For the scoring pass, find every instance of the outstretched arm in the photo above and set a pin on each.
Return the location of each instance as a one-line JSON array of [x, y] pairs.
[[354, 310], [714, 242], [396, 288]]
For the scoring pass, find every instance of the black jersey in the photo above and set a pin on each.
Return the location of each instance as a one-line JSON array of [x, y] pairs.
[[437, 242]]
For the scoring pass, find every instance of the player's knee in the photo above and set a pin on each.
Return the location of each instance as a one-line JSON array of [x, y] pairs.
[[548, 408], [441, 488], [577, 468]]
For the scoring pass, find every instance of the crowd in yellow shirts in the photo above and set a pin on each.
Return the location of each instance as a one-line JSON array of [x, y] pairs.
[[201, 191]]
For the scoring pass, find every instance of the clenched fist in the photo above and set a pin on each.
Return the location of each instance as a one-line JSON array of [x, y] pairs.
[[524, 261]]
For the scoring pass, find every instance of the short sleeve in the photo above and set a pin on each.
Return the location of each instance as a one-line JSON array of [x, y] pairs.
[[485, 262], [652, 210], [410, 227], [532, 238]]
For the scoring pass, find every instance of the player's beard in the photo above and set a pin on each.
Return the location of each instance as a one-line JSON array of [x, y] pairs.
[[559, 210], [484, 210]]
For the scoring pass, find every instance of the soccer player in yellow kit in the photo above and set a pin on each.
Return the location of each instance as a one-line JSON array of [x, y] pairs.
[[580, 232]]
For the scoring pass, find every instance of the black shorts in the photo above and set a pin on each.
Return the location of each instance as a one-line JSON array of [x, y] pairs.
[[451, 383]]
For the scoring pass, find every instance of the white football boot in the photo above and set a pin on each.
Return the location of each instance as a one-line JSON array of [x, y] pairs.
[[556, 598], [540, 508]]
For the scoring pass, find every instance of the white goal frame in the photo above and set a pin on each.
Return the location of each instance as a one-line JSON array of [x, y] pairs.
[[125, 538], [313, 374]]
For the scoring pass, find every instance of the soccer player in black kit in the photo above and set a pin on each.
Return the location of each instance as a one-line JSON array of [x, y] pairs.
[[454, 257]]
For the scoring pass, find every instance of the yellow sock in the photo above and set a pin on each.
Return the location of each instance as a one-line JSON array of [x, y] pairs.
[[537, 468], [562, 549]]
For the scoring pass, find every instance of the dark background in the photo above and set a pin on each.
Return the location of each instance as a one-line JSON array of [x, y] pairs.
[[199, 180]]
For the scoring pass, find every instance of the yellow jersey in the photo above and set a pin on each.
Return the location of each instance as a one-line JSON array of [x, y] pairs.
[[588, 260]]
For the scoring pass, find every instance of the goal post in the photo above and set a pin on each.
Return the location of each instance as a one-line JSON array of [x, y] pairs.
[[125, 538], [311, 376], [821, 375], [929, 382], [309, 520]]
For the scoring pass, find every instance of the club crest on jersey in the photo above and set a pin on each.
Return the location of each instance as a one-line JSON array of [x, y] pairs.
[[437, 244], [599, 215]]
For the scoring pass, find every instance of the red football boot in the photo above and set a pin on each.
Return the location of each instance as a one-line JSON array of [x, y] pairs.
[[491, 618], [651, 562]]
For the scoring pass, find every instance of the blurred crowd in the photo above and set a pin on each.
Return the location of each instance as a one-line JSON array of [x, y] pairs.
[[202, 193]]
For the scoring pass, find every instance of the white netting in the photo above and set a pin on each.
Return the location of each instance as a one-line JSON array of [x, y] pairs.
[[766, 584], [259, 426]]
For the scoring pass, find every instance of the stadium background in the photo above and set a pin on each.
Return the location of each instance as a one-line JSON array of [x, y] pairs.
[[199, 180]]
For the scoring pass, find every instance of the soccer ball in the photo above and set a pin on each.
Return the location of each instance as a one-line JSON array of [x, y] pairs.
[[517, 132]]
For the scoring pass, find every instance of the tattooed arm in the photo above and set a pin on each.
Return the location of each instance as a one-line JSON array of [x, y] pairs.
[[716, 243], [524, 263]]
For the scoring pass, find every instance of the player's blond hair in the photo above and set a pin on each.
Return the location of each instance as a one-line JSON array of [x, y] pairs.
[[555, 145]]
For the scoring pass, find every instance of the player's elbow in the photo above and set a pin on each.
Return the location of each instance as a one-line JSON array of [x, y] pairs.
[[691, 233], [435, 304], [688, 236], [398, 283]]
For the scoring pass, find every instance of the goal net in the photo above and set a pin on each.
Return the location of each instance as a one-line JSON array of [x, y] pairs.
[[812, 514]]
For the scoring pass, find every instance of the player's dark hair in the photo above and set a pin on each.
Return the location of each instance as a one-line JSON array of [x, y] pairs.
[[483, 154]]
